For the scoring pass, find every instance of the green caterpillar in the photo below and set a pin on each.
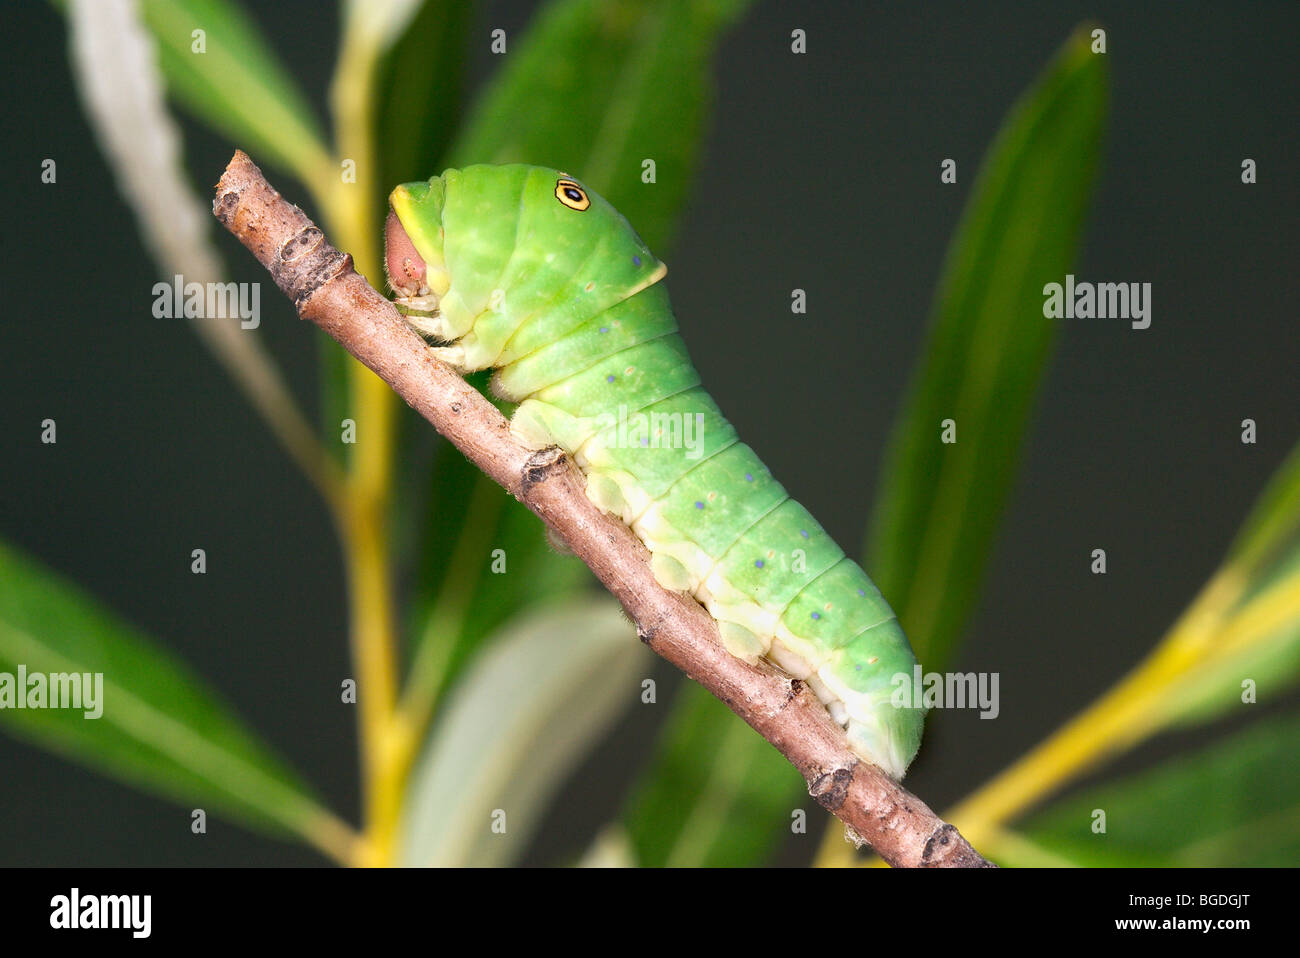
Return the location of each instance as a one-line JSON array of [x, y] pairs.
[[523, 270]]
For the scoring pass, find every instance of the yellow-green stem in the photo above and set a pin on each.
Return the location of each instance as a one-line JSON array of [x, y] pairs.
[[351, 217]]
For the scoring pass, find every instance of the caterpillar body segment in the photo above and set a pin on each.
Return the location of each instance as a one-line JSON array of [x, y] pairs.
[[523, 270]]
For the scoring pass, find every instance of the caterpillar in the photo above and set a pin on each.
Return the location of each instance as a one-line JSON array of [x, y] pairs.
[[523, 270]]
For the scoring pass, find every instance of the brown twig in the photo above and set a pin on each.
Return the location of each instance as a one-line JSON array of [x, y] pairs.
[[327, 291]]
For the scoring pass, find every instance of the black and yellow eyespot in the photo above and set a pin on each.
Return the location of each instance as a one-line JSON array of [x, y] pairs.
[[572, 195]]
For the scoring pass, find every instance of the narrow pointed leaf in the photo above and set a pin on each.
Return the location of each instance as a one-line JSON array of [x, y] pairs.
[[596, 87], [1259, 670], [159, 727], [939, 503], [1234, 803], [546, 691], [1274, 522], [113, 59], [421, 92], [714, 796], [230, 77]]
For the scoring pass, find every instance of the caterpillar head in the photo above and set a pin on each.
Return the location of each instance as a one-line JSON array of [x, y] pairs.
[[413, 238], [474, 253]]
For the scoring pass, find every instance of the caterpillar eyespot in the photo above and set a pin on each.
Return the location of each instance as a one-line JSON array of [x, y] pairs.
[[570, 313], [572, 195]]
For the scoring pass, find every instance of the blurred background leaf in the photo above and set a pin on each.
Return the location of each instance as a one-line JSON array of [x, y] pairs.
[[1267, 553], [468, 520], [714, 795], [113, 57], [238, 85], [421, 93], [983, 359], [1268, 657], [546, 691], [161, 728], [599, 86], [386, 20], [1274, 522], [939, 504], [1233, 803]]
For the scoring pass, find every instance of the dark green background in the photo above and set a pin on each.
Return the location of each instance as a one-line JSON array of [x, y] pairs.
[[820, 172]]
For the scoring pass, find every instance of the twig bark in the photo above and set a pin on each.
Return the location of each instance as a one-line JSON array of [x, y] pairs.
[[327, 291]]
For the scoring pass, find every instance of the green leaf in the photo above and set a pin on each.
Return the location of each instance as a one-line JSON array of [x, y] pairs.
[[386, 20], [713, 796], [939, 504], [546, 691], [1274, 522], [1266, 553], [984, 358], [160, 728], [421, 86], [122, 93], [1271, 663], [334, 371], [1234, 803], [596, 87], [238, 85]]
